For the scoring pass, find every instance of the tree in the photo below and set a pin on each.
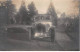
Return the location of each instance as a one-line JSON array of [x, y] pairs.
[[17, 17], [22, 15], [32, 11], [10, 10], [51, 11], [73, 25]]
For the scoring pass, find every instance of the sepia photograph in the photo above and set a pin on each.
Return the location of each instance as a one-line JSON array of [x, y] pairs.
[[39, 25]]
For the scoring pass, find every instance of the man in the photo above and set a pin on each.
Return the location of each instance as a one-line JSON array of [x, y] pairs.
[[52, 33]]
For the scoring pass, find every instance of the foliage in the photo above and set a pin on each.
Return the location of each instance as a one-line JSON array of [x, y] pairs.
[[10, 10], [73, 25], [17, 17], [25, 16], [32, 11], [51, 11]]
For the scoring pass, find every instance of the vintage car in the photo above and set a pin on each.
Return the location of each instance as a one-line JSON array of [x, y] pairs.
[[44, 33]]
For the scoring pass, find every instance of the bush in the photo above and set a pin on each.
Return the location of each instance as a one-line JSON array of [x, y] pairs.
[[73, 26]]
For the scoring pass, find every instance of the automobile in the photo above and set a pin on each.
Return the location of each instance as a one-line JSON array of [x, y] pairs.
[[46, 34], [18, 32]]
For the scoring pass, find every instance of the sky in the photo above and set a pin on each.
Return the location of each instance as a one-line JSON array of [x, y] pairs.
[[60, 6]]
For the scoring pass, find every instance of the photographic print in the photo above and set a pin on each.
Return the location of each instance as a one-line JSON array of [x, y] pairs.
[[39, 25]]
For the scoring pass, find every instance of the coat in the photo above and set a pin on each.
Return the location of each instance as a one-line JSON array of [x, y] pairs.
[[52, 33]]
